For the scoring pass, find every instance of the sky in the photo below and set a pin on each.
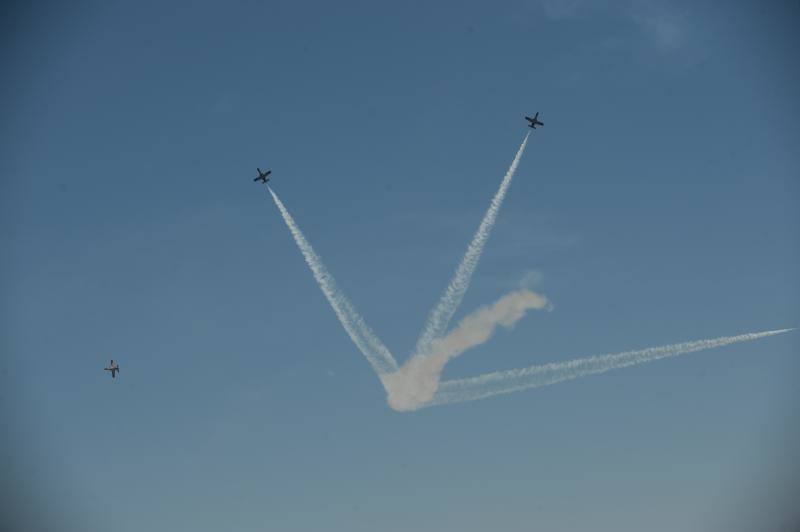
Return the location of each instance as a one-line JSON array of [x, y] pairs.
[[660, 203]]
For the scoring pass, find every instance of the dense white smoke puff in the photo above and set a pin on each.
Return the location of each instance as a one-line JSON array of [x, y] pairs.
[[418, 379]]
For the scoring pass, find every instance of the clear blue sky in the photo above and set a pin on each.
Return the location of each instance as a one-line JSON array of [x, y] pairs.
[[660, 203]]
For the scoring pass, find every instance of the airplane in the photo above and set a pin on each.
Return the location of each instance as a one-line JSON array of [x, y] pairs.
[[534, 121], [113, 368], [263, 176]]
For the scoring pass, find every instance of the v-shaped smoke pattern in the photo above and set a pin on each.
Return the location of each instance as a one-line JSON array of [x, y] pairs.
[[416, 384]]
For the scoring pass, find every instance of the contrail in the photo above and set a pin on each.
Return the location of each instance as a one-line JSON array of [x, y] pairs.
[[417, 383], [456, 391], [373, 349], [440, 315]]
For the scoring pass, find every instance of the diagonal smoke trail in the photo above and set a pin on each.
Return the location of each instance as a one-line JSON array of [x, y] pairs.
[[377, 354], [500, 382], [440, 315]]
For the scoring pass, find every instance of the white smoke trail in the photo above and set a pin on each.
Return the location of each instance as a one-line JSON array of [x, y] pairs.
[[373, 349], [500, 382], [418, 379], [417, 384], [440, 315]]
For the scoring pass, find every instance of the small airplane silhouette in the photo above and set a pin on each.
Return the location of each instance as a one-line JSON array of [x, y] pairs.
[[113, 368], [534, 121], [263, 176]]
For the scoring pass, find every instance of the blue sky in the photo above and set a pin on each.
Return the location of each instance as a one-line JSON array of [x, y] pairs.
[[660, 203]]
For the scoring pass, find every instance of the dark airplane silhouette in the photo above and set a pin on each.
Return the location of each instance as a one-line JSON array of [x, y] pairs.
[[534, 121], [263, 176], [113, 368]]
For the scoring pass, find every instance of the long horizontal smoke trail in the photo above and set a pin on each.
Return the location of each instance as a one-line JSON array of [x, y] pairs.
[[442, 313], [456, 391], [373, 349]]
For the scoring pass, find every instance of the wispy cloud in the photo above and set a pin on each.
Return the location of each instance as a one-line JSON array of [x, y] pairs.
[[659, 22], [666, 29], [225, 103], [565, 9]]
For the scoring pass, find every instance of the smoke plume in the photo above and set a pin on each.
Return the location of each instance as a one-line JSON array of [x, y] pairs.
[[416, 382]]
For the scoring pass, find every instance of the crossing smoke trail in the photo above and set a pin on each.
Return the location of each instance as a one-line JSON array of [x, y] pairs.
[[500, 382], [373, 349], [440, 316]]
